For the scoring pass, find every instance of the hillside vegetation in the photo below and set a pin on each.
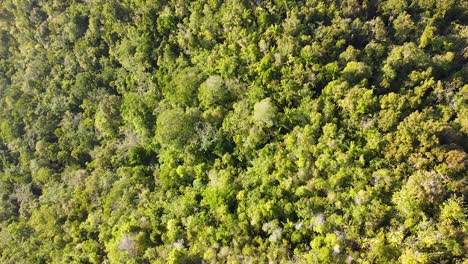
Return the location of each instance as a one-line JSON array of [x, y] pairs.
[[235, 131]]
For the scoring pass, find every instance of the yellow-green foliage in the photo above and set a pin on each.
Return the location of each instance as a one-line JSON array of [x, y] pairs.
[[236, 131]]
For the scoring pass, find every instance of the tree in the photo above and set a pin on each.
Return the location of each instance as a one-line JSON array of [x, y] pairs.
[[234, 131], [265, 113], [213, 92], [107, 119], [356, 71], [404, 27], [136, 114], [182, 90], [176, 126]]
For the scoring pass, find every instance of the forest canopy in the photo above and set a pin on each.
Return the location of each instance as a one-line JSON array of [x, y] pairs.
[[208, 131]]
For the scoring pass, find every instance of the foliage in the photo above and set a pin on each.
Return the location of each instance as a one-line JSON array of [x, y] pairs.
[[233, 131]]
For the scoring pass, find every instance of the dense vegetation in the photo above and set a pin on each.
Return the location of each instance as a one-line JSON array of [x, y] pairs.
[[237, 131]]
